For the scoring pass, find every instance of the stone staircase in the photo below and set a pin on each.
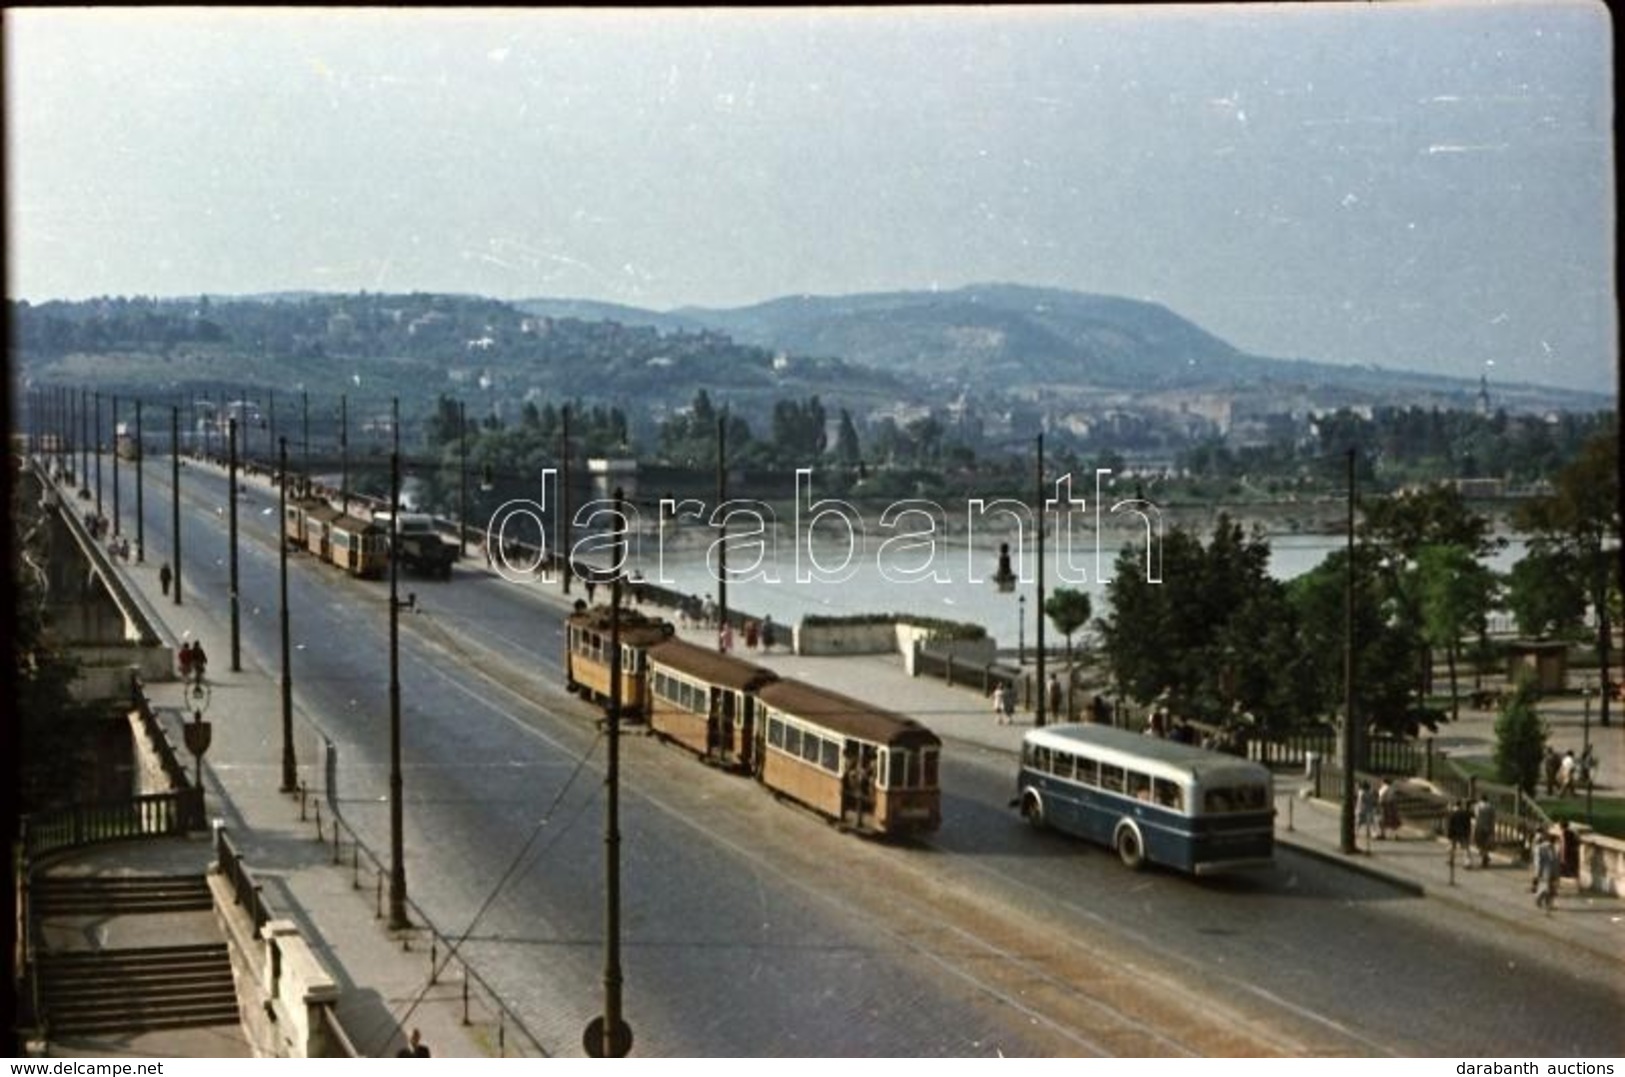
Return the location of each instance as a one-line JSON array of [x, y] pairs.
[[136, 989]]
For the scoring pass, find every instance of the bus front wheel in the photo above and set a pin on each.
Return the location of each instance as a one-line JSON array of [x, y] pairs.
[[1033, 809], [1129, 850]]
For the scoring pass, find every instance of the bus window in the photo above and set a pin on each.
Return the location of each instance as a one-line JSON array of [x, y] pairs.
[[792, 739], [1111, 778], [1088, 771], [1168, 794], [1041, 760], [930, 775], [1064, 765], [1218, 801], [1138, 786], [1251, 798]]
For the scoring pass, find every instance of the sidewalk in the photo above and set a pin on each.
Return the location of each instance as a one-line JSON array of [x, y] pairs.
[[382, 975], [1415, 862]]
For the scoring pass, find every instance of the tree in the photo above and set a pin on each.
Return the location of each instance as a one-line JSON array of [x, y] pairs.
[[1455, 600], [1520, 739], [1546, 594], [1216, 636], [847, 449], [1068, 610], [1581, 518]]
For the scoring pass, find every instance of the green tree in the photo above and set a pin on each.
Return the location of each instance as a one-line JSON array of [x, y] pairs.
[[1068, 610], [1216, 635], [847, 448], [1456, 591], [1580, 518], [1385, 655], [1546, 594], [1520, 739]]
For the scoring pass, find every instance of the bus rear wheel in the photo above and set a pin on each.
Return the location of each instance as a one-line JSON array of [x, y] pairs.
[[1129, 850]]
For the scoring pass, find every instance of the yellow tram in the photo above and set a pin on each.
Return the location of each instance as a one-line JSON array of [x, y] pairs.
[[706, 702], [587, 652], [872, 769]]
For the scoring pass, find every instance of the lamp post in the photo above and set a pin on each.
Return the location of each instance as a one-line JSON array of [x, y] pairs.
[[1021, 630]]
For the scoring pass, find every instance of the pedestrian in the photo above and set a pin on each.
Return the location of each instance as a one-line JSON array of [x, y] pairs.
[[1458, 827], [708, 612], [1365, 810], [200, 662], [591, 587], [1567, 771], [1551, 762], [725, 638], [164, 576], [1483, 828], [1568, 853], [415, 1047], [1004, 703], [184, 661], [751, 636], [1544, 884], [1387, 810], [767, 633], [1052, 694]]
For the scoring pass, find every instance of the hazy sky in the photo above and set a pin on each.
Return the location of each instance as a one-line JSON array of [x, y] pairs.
[[1424, 186]]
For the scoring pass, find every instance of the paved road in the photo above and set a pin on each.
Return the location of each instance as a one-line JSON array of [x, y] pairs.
[[745, 915]]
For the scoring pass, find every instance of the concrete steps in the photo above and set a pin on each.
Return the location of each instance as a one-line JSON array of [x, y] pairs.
[[134, 988], [138, 989], [120, 895]]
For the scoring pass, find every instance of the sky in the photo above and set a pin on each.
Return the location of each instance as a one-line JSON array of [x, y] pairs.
[[1424, 186]]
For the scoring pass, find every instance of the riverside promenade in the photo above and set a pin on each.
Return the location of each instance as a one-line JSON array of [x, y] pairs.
[[383, 975]]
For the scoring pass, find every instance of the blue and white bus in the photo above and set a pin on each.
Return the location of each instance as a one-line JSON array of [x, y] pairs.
[[1152, 800]]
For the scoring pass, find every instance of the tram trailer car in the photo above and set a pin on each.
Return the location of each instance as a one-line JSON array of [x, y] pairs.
[[357, 546], [1151, 800], [706, 702], [587, 655], [866, 767]]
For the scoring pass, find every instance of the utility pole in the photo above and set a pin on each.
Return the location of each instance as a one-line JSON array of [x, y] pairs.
[[1043, 689], [116, 528], [290, 769], [1350, 730], [462, 489], [231, 500], [140, 487], [722, 546], [564, 499], [98, 443], [397, 852], [344, 453], [613, 1038], [175, 489]]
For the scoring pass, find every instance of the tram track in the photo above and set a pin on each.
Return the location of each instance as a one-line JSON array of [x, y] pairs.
[[1057, 973]]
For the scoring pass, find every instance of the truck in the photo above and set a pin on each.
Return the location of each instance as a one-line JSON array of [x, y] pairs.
[[421, 548]]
